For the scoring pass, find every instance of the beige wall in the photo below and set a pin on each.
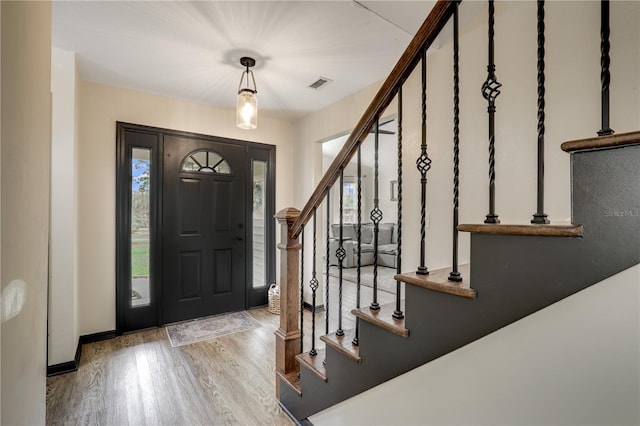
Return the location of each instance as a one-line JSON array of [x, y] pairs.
[[25, 153], [573, 111], [63, 288], [100, 107]]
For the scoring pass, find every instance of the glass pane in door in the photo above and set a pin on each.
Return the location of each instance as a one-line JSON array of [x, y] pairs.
[[258, 223], [140, 221]]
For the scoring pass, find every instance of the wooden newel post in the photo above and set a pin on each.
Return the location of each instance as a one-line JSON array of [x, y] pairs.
[[288, 335]]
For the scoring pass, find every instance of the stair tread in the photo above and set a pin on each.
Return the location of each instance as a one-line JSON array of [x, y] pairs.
[[601, 142], [292, 379], [344, 344], [438, 281], [549, 230], [383, 318], [315, 363]]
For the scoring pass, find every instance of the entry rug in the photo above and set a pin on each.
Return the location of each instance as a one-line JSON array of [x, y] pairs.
[[208, 328]]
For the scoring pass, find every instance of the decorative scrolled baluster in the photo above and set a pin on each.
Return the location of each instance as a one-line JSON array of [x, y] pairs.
[[605, 62], [340, 254], [313, 284], [455, 275], [540, 217], [356, 340], [423, 163], [327, 264], [376, 218], [490, 91], [397, 313]]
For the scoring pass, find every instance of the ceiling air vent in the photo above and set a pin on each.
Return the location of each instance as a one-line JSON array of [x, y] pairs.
[[320, 82]]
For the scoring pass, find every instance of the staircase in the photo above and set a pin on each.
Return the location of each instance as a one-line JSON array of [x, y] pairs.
[[515, 269]]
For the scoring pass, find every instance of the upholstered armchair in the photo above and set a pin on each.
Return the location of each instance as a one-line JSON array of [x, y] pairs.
[[387, 244]]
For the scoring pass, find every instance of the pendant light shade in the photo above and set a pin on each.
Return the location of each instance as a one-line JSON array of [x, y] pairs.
[[247, 102]]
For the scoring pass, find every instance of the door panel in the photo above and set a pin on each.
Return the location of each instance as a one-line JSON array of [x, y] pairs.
[[222, 272], [188, 202], [189, 272], [221, 217], [203, 231]]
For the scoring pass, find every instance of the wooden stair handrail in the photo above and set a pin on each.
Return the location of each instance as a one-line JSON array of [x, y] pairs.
[[430, 29]]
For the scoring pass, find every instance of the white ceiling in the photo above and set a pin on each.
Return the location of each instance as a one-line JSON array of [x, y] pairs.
[[191, 49]]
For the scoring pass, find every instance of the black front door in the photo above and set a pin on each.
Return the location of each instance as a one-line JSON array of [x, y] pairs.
[[203, 229]]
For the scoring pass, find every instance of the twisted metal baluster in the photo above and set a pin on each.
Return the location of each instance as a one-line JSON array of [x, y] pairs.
[[356, 340], [423, 163], [455, 275], [326, 307], [302, 291], [314, 286], [340, 254], [490, 91], [540, 217], [397, 313], [605, 61], [376, 217]]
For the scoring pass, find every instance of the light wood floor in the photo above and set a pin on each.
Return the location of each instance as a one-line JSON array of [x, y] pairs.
[[140, 379]]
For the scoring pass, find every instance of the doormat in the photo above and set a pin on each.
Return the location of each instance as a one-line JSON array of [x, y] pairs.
[[186, 333]]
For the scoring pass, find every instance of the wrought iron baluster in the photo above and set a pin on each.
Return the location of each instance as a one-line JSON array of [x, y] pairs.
[[302, 291], [540, 217], [423, 163], [356, 338], [376, 218], [314, 287], [327, 265], [340, 254], [605, 62], [490, 91], [397, 313], [455, 275]]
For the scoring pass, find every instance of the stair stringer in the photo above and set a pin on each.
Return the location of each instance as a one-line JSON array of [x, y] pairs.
[[514, 276]]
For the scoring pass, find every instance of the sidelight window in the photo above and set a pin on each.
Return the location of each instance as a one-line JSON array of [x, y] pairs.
[[140, 223], [259, 219]]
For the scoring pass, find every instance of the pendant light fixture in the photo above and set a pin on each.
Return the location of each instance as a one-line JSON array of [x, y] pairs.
[[247, 104]]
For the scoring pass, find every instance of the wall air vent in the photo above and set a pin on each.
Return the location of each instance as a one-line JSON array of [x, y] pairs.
[[320, 82]]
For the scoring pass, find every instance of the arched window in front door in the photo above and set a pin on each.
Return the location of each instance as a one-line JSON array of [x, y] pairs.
[[209, 162]]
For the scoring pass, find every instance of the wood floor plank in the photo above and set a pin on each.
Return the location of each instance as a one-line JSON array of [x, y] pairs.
[[140, 379]]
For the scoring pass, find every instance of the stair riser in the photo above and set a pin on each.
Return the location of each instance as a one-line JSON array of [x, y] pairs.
[[513, 275], [348, 378], [606, 199], [518, 275]]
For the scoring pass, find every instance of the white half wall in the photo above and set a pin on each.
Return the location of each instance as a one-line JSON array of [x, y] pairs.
[[63, 291], [24, 204], [100, 107], [576, 362]]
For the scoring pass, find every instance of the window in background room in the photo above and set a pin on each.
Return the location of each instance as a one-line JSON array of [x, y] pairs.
[[350, 202]]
